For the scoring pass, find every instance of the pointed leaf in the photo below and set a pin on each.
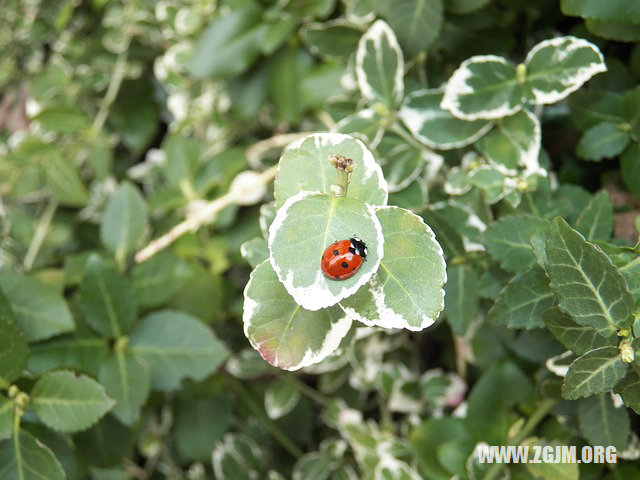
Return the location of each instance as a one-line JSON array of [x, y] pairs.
[[577, 338], [28, 459], [380, 66], [127, 381], [601, 423], [68, 402], [461, 292], [65, 183], [436, 127], [38, 311], [304, 165], [595, 222], [175, 345], [629, 390], [605, 140], [507, 240], [158, 279], [588, 286], [304, 227], [594, 372], [124, 221], [6, 417], [255, 251], [283, 332], [521, 303], [14, 350], [83, 353], [107, 298], [624, 11]]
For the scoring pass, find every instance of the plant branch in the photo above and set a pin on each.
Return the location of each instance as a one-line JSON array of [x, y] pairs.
[[203, 215], [40, 234], [256, 151], [256, 409], [305, 389]]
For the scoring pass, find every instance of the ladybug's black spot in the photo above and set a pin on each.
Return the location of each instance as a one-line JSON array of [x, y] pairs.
[[354, 268], [322, 257], [345, 265], [335, 253]]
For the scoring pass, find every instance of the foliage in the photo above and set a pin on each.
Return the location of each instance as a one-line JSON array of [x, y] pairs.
[[171, 173]]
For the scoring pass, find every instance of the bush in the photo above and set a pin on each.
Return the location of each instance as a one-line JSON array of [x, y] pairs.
[[173, 174]]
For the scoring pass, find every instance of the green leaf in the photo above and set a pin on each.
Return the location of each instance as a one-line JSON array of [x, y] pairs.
[[230, 45], [107, 298], [462, 7], [280, 398], [174, 346], [365, 125], [159, 279], [77, 352], [6, 417], [62, 119], [127, 381], [624, 11], [304, 165], [577, 338], [559, 66], [595, 222], [200, 423], [521, 303], [629, 390], [380, 66], [590, 107], [550, 470], [601, 423], [514, 142], [483, 87], [14, 350], [238, 457], [630, 168], [417, 22], [333, 40], [38, 311], [490, 181], [402, 162], [182, 157], [622, 32], [461, 292], [65, 183], [605, 140], [507, 240], [435, 127], [304, 227], [26, 458], [283, 332], [407, 290], [255, 251], [588, 286], [500, 387], [315, 465], [68, 402], [287, 70], [124, 221], [594, 372]]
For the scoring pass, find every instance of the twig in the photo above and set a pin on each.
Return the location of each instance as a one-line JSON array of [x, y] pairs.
[[40, 234], [197, 219], [256, 151]]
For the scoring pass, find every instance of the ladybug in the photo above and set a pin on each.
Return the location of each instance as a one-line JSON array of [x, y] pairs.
[[343, 259]]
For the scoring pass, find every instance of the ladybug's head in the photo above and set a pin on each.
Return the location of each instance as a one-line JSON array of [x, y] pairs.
[[359, 246]]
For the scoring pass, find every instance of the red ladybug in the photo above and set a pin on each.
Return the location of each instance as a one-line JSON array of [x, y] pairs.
[[342, 259]]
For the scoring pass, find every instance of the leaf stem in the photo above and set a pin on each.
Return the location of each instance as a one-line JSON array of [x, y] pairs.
[[401, 132], [532, 422], [305, 389], [272, 428], [532, 206], [40, 234]]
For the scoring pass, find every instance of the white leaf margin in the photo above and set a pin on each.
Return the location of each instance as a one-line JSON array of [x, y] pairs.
[[575, 82], [365, 114], [388, 318], [336, 333], [334, 139], [375, 33], [414, 119], [318, 295], [457, 85]]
